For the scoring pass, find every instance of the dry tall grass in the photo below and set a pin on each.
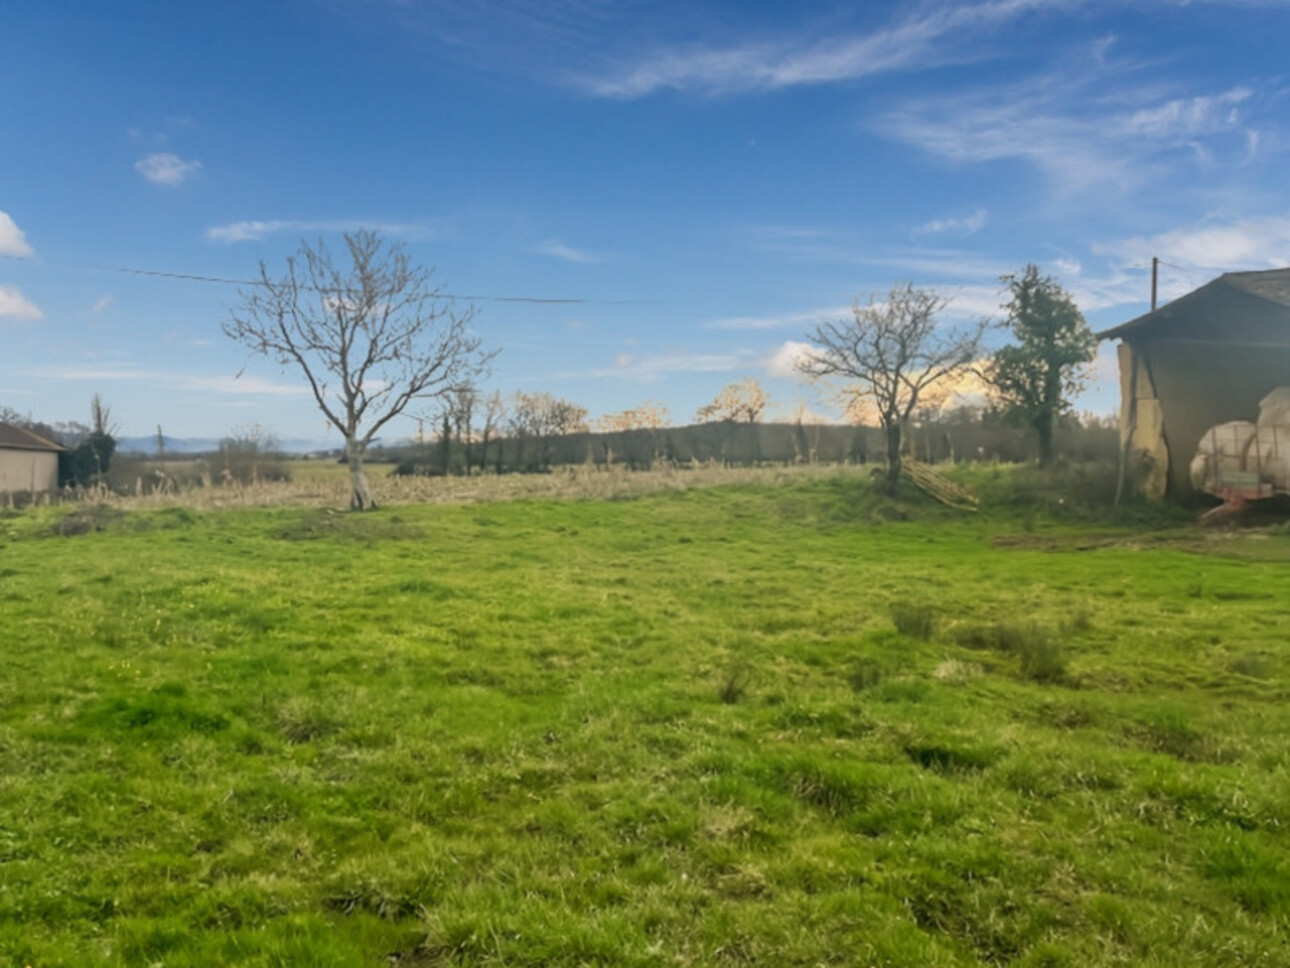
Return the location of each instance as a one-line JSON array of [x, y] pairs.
[[576, 483]]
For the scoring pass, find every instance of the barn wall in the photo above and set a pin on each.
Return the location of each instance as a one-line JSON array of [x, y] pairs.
[[28, 470]]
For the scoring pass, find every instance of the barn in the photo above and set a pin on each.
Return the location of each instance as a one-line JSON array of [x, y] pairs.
[[28, 462], [1204, 359]]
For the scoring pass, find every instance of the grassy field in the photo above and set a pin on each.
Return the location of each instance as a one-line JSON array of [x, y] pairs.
[[775, 725]]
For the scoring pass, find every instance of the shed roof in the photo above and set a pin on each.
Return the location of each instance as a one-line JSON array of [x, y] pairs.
[[1271, 286], [16, 438]]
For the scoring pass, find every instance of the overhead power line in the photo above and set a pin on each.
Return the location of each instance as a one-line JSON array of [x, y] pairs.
[[223, 280]]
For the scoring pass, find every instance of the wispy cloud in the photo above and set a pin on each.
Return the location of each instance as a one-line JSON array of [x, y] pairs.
[[933, 36], [649, 369], [13, 241], [782, 321], [100, 304], [1261, 242], [169, 379], [925, 264], [1084, 130], [253, 230], [961, 226], [242, 386], [558, 250], [166, 168], [15, 306]]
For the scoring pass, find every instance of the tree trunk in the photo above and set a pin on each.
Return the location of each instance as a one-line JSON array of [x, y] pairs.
[[360, 497], [1044, 428], [892, 428]]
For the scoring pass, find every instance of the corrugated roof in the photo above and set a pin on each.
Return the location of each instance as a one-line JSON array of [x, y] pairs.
[[1272, 285], [15, 438]]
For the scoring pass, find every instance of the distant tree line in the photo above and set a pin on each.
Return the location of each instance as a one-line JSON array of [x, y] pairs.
[[962, 434]]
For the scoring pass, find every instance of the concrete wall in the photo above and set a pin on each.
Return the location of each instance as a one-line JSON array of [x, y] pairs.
[[28, 470]]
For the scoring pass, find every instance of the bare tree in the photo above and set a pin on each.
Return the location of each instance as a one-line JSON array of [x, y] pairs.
[[369, 338], [102, 439], [459, 406], [494, 414], [650, 415], [893, 354], [101, 421], [741, 402], [542, 416]]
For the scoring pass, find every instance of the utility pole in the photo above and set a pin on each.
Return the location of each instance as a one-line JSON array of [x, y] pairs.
[[1155, 274]]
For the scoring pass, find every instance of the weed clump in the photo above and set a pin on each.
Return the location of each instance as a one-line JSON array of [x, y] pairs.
[[865, 673], [735, 685], [86, 520], [1171, 731], [1041, 658], [1250, 664], [951, 757], [915, 621], [300, 721], [1038, 649]]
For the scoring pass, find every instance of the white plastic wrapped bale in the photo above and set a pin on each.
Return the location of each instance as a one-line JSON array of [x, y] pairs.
[[1220, 459], [1270, 454], [1274, 409]]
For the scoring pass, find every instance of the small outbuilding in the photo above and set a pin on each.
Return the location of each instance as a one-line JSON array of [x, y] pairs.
[[28, 462], [1204, 359]]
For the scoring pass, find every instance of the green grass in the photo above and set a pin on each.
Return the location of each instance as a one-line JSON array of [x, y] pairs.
[[674, 730]]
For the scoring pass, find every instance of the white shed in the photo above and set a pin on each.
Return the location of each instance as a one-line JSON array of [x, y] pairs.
[[28, 462]]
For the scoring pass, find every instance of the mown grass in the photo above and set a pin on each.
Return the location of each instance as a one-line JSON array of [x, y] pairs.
[[682, 729]]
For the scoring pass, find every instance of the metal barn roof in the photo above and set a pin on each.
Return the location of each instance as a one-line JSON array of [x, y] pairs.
[[1272, 286]]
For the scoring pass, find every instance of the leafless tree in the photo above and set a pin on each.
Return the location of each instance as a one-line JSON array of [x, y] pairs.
[[541, 417], [494, 414], [459, 406], [892, 353], [741, 402], [369, 338], [101, 421], [650, 415]]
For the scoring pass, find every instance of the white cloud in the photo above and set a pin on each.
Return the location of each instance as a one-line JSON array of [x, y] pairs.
[[1261, 242], [241, 385], [783, 321], [102, 303], [782, 364], [934, 36], [253, 230], [1084, 130], [959, 225], [14, 305], [1187, 116], [558, 250], [971, 302], [648, 369], [166, 168], [12, 240], [171, 380], [921, 262]]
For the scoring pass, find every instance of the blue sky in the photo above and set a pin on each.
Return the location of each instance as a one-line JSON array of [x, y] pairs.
[[710, 179]]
